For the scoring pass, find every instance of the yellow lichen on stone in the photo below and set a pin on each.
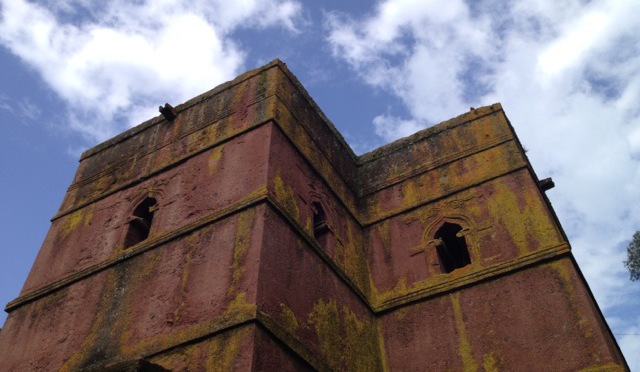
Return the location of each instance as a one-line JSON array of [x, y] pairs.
[[567, 283], [423, 214], [392, 171], [308, 225], [193, 243], [523, 217], [348, 343], [89, 214], [211, 358], [239, 305], [82, 353], [464, 347], [352, 261], [99, 323], [361, 347], [72, 221], [504, 207], [490, 363], [286, 196], [220, 352], [214, 158], [609, 367], [98, 187], [146, 268], [244, 229], [325, 319], [398, 290], [224, 351], [410, 193], [400, 313], [191, 246], [289, 321], [372, 208]]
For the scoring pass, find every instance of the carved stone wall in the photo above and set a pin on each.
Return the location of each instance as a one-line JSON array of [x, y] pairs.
[[244, 234]]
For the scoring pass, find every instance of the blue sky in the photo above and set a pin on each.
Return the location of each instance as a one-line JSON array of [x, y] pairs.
[[567, 72]]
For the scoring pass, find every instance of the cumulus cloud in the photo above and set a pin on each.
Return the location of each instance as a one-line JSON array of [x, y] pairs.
[[388, 126], [568, 75], [115, 62], [422, 51]]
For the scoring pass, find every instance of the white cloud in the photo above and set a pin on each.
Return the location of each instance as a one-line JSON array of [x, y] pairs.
[[568, 75], [421, 51], [387, 126], [26, 111], [115, 62], [569, 50]]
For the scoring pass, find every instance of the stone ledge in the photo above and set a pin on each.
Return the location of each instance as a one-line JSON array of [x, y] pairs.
[[427, 291]]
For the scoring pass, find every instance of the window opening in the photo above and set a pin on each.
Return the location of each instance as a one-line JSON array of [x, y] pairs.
[[320, 226], [451, 247], [140, 222]]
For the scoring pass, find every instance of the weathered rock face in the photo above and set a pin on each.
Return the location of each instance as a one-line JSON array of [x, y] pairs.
[[244, 234]]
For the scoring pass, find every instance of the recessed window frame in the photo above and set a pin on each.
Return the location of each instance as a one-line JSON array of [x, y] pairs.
[[452, 248], [320, 222], [140, 224]]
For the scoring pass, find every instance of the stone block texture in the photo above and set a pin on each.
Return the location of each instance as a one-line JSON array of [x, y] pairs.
[[244, 234]]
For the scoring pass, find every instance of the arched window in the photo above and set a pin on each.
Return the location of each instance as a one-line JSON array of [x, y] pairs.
[[140, 222], [320, 226], [452, 247]]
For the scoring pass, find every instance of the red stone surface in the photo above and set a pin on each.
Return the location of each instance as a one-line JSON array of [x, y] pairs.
[[235, 273], [494, 323]]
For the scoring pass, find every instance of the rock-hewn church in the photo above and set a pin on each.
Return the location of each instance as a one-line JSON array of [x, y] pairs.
[[238, 231]]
